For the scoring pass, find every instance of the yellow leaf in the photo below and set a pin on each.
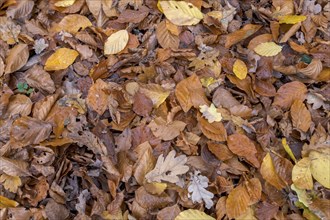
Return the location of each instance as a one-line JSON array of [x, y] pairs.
[[269, 173], [116, 42], [181, 12], [72, 24], [64, 3], [193, 214], [240, 69], [11, 183], [155, 188], [302, 195], [210, 113], [7, 203], [320, 166], [61, 59], [291, 19], [268, 49], [301, 174], [207, 81], [288, 150], [155, 92]]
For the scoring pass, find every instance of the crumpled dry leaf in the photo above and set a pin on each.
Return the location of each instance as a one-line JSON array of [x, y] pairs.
[[242, 146], [210, 113], [61, 59], [181, 12], [197, 188], [14, 167], [168, 169], [190, 92], [116, 42], [313, 69], [72, 24], [193, 214], [97, 97], [17, 58], [166, 131], [301, 117]]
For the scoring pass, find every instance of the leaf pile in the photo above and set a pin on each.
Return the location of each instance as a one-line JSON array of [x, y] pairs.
[[169, 110]]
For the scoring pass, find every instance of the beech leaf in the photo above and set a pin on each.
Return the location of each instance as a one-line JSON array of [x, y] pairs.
[[268, 49], [116, 42], [61, 59], [320, 166], [17, 58], [193, 214], [240, 69]]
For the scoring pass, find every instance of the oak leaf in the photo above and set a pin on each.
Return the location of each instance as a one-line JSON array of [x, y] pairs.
[[210, 113], [168, 169]]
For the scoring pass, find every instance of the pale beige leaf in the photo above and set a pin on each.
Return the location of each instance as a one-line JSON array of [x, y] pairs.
[[210, 113], [320, 166], [268, 49], [19, 104], [61, 59], [168, 169], [116, 42], [72, 24], [181, 12], [237, 202], [38, 78], [301, 174], [14, 167], [166, 131], [193, 214], [313, 69], [165, 38], [16, 58], [301, 117]]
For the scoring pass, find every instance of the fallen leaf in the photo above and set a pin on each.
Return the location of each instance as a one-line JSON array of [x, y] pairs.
[[149, 201], [190, 92], [155, 188], [10, 183], [254, 188], [301, 117], [168, 169], [214, 131], [288, 150], [242, 146], [181, 13], [144, 164], [237, 202], [166, 131], [197, 188], [72, 24], [19, 105], [291, 19], [301, 174], [64, 3], [16, 58], [116, 42], [14, 167], [155, 92], [289, 92], [240, 69], [313, 69], [193, 214], [320, 166], [210, 113], [302, 195], [38, 78], [170, 212], [221, 151], [165, 38], [61, 59], [97, 97], [269, 173], [241, 34], [268, 49], [7, 203]]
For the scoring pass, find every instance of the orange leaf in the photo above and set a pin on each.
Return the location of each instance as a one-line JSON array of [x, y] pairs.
[[241, 34], [301, 117], [288, 92], [237, 202]]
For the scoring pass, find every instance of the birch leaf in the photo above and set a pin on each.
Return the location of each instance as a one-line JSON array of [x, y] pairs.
[[197, 189], [168, 169]]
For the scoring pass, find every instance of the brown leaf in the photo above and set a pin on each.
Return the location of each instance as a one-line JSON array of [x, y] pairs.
[[54, 210], [168, 213], [145, 162], [5, 95], [289, 92], [14, 167], [301, 117], [165, 38], [312, 70], [17, 58], [27, 130], [266, 211], [155, 92], [38, 78], [214, 131], [190, 92], [253, 187], [97, 97], [221, 207], [43, 106], [241, 34], [221, 151], [237, 202], [321, 207], [36, 190], [166, 131], [132, 16], [223, 98], [242, 146], [20, 10], [142, 105], [19, 104], [149, 201]]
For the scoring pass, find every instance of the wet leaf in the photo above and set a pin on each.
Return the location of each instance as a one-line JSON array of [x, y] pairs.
[[181, 12], [61, 59]]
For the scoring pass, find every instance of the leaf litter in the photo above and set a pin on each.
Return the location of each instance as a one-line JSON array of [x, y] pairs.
[[189, 109]]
